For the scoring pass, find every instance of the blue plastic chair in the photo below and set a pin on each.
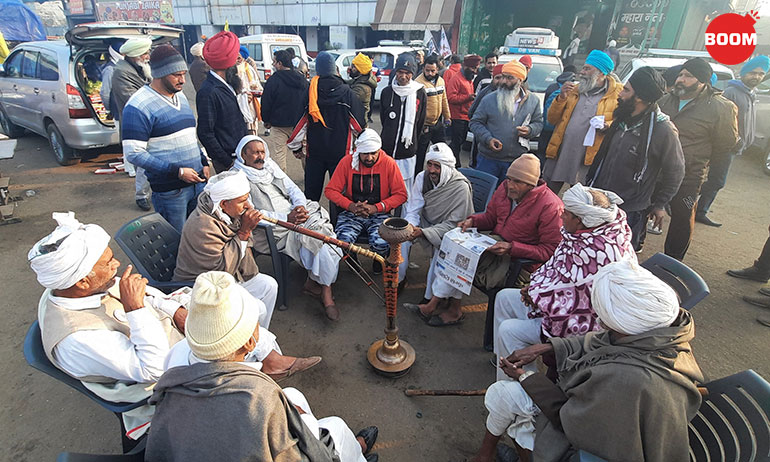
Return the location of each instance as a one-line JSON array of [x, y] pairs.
[[484, 186], [280, 262], [135, 455], [688, 285], [36, 357]]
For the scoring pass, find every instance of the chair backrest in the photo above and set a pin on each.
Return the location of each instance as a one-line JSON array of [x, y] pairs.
[[151, 244], [688, 285], [36, 357], [484, 186], [733, 422], [75, 457]]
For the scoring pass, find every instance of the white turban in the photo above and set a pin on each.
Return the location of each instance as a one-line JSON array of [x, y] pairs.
[[631, 300], [197, 50], [270, 170], [225, 186], [579, 201], [368, 141], [442, 154], [136, 47], [69, 253]]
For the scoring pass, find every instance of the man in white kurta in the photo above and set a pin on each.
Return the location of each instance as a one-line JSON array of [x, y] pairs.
[[275, 195]]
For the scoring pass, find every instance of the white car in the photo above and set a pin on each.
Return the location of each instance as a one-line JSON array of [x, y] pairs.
[[661, 63], [262, 47], [343, 59], [384, 58]]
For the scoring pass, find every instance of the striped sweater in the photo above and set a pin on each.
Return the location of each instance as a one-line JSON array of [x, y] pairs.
[[159, 136]]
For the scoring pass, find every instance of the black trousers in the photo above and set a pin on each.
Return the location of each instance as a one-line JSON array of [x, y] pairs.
[[459, 133], [682, 223], [763, 262], [433, 135], [315, 174]]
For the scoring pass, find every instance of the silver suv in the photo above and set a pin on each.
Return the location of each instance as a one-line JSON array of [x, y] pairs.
[[49, 87]]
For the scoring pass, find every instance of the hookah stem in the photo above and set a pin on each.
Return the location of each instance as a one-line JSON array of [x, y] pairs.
[[329, 240]]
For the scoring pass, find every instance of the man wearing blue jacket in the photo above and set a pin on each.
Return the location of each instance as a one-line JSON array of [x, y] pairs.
[[505, 121]]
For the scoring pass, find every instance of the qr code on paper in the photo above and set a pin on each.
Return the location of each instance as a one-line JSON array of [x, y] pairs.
[[462, 261]]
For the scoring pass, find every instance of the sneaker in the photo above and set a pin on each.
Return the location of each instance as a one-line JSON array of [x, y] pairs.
[[143, 204], [752, 272], [652, 229]]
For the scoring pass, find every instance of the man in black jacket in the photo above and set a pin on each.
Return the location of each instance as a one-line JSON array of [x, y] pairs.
[[640, 158], [333, 117], [282, 105], [220, 123], [402, 114]]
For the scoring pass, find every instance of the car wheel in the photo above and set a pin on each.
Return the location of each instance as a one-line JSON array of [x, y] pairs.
[[8, 127], [65, 155], [766, 166]]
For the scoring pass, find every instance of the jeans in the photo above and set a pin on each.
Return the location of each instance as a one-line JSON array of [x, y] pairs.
[[682, 223], [719, 167], [177, 204], [459, 133], [494, 167], [315, 174], [350, 226], [435, 134], [637, 221]]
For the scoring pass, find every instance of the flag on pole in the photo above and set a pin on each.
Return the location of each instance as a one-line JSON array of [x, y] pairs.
[[227, 25], [429, 43], [445, 50]]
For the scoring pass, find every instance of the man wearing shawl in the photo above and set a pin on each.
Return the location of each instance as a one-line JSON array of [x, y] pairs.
[[626, 393], [251, 88], [402, 114], [276, 196], [557, 302], [334, 117], [441, 197], [199, 70], [366, 186], [214, 403]]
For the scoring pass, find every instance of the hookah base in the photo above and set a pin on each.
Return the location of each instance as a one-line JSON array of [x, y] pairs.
[[391, 369]]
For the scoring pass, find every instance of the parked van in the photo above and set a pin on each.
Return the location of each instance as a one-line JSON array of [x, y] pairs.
[[263, 46]]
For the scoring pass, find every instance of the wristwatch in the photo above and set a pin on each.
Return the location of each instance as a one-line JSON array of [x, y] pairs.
[[524, 376]]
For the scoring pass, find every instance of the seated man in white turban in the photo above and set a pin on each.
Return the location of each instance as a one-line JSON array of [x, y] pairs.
[[213, 403], [440, 198], [274, 195], [626, 393], [111, 333], [557, 302]]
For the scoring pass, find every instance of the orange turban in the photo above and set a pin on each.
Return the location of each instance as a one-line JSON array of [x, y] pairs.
[[515, 69]]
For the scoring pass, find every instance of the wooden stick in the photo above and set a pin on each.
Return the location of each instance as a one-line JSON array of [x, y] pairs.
[[420, 392]]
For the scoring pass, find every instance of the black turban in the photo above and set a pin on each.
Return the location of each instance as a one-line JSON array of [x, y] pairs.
[[699, 68], [648, 84]]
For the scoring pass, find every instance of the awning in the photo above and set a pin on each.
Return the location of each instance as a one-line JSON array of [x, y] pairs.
[[413, 14]]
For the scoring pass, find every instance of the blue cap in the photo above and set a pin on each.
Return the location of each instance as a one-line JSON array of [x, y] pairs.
[[759, 61], [601, 61], [324, 64], [244, 52]]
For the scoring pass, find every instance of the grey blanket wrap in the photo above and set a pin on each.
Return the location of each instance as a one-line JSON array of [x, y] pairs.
[[444, 207]]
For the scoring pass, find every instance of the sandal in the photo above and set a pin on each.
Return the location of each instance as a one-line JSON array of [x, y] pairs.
[[436, 321], [414, 308], [299, 365]]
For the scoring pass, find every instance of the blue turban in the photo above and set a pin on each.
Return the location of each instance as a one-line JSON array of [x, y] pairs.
[[759, 61], [324, 64], [244, 52], [714, 79], [601, 61]]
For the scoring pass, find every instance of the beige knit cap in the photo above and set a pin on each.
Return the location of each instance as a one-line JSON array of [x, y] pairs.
[[526, 169], [221, 319]]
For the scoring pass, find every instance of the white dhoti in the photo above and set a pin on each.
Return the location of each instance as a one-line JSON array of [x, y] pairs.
[[405, 248], [407, 166], [511, 410], [345, 443], [265, 289], [323, 266], [440, 288], [513, 330]]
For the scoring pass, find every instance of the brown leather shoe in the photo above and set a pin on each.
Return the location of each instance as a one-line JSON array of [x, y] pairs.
[[299, 365], [762, 301]]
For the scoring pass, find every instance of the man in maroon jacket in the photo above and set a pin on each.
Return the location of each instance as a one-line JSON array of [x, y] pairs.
[[526, 218]]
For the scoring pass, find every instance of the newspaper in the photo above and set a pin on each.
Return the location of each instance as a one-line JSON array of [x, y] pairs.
[[459, 257]]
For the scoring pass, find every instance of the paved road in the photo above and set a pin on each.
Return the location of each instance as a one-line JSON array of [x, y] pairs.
[[41, 417]]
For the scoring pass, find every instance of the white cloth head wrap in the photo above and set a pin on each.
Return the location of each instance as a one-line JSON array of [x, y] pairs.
[[269, 171], [115, 56], [197, 50], [225, 186], [368, 141], [409, 92], [69, 253], [631, 300], [136, 47], [442, 154], [579, 201]]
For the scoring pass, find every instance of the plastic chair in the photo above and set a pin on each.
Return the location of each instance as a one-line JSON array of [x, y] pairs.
[[732, 422], [36, 357], [688, 285], [152, 244], [280, 263], [483, 185]]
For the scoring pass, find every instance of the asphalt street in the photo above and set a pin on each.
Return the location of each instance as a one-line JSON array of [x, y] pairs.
[[41, 417]]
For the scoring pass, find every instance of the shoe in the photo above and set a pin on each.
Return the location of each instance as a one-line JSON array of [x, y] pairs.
[[762, 301], [143, 204], [372, 457], [652, 229], [764, 320], [376, 267], [299, 365], [752, 272], [414, 308], [765, 291], [369, 434], [332, 313], [506, 453], [702, 218], [436, 321]]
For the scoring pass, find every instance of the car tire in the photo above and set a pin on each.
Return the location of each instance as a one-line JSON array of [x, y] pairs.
[[766, 165], [64, 154], [8, 127]]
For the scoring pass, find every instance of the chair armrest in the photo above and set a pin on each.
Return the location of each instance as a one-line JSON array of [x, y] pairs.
[[516, 265]]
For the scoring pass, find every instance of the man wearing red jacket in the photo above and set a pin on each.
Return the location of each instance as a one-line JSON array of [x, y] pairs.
[[525, 215], [367, 186], [461, 94]]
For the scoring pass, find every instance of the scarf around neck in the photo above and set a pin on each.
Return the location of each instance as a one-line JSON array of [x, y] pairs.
[[267, 174], [410, 110]]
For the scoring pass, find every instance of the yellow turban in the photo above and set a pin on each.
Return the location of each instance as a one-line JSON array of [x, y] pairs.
[[363, 63], [515, 69]]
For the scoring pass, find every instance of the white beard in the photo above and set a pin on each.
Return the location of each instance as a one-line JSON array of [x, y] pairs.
[[506, 100], [587, 84], [145, 67]]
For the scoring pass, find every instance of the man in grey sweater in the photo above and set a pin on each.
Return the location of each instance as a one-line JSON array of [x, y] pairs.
[[505, 121]]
